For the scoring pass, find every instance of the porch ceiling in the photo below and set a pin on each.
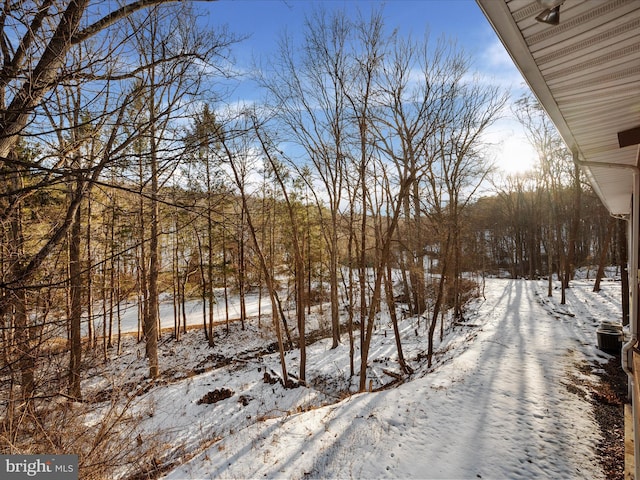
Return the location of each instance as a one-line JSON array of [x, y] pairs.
[[585, 71]]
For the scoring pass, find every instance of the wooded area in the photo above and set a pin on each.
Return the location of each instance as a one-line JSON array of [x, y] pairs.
[[354, 187]]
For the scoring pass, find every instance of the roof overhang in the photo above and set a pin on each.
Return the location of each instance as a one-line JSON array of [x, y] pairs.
[[585, 72]]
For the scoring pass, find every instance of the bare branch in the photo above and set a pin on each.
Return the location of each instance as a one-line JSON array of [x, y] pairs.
[[116, 15]]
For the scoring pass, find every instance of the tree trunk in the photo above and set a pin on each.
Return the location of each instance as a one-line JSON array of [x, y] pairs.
[[438, 302], [75, 283], [350, 291], [383, 260], [175, 268], [333, 284], [362, 272], [416, 254], [394, 320], [151, 326], [142, 271], [604, 254], [203, 289], [90, 324], [241, 270], [210, 293], [263, 263], [225, 280], [299, 264], [575, 225], [18, 298]]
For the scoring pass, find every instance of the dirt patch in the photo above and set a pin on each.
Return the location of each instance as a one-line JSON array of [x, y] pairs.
[[608, 397], [215, 396]]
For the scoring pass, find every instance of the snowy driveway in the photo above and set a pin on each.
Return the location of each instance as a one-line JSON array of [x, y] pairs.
[[500, 409]]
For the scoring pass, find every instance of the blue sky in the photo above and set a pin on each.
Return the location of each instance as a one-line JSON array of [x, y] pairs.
[[265, 19], [460, 20]]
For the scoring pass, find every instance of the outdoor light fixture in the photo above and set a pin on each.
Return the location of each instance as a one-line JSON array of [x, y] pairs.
[[551, 12]]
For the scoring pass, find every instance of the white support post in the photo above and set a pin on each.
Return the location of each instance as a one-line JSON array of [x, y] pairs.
[[633, 321]]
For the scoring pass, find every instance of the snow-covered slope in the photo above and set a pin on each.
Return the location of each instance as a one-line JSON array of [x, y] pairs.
[[496, 406], [500, 402]]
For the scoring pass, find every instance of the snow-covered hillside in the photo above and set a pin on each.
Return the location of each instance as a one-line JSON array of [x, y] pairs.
[[495, 405]]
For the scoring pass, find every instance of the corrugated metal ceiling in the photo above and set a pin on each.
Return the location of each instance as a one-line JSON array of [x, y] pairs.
[[586, 73]]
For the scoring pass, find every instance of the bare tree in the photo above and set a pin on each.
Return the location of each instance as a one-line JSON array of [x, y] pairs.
[[556, 170], [358, 87], [176, 53], [305, 86], [202, 136], [462, 166], [409, 112], [456, 171], [237, 151], [37, 40], [298, 249]]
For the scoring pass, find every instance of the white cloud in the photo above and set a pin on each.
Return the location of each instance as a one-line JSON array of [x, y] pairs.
[[509, 147], [494, 66]]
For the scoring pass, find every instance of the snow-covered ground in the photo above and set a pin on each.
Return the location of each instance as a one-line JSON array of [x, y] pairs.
[[192, 308], [495, 404]]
